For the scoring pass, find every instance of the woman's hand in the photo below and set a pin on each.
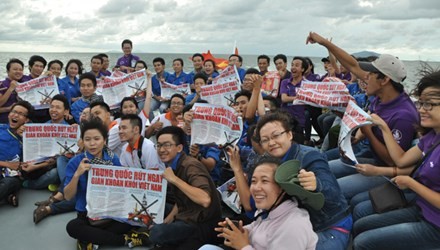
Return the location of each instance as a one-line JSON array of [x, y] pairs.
[[307, 180], [403, 181], [379, 122], [234, 158], [235, 237], [366, 169], [83, 167]]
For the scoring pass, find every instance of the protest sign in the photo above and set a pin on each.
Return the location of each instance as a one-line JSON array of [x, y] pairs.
[[46, 139], [115, 89], [229, 74], [117, 73], [38, 91], [168, 89], [215, 124], [229, 194], [130, 195], [271, 83], [332, 95], [354, 117], [221, 93]]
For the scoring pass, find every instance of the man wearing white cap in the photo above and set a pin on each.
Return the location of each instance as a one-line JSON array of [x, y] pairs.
[[383, 78]]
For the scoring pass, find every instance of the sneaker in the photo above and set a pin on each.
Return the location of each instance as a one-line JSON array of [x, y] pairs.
[[52, 187], [86, 246], [137, 238]]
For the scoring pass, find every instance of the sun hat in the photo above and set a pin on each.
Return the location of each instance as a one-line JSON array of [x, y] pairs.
[[388, 65], [286, 176]]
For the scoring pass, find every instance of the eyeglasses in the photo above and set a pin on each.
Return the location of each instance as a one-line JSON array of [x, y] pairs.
[[274, 136], [165, 146], [428, 106], [18, 113], [176, 104]]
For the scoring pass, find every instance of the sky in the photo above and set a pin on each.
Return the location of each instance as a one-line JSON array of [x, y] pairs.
[[405, 28]]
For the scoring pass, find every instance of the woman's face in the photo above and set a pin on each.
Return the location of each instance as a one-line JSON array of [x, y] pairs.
[[55, 68], [128, 107], [431, 118], [139, 66], [264, 189], [275, 139], [208, 67], [72, 70], [94, 142]]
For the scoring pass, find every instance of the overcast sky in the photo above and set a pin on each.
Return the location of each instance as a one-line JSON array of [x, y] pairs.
[[406, 28]]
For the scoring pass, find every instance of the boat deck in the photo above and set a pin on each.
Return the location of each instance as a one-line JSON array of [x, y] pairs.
[[18, 231]]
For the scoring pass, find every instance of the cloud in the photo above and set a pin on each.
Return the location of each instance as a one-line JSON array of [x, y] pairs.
[[188, 26], [123, 8]]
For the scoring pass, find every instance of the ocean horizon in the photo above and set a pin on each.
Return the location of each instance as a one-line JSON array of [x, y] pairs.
[[249, 61]]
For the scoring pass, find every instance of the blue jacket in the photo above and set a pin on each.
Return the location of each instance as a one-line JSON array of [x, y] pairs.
[[335, 206], [155, 82], [77, 108], [71, 168]]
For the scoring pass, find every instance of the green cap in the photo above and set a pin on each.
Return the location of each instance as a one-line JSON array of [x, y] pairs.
[[286, 176]]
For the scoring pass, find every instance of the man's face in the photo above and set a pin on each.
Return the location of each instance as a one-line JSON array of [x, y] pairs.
[[36, 69], [85, 115], [106, 63], [167, 148], [269, 107], [126, 48], [101, 113], [176, 105], [18, 116], [197, 62], [280, 65], [247, 83], [57, 111], [296, 68], [177, 66], [263, 64], [86, 87], [96, 65], [126, 131], [242, 102], [158, 67], [15, 72], [235, 60]]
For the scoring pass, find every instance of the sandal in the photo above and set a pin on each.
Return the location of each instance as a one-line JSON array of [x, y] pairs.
[[47, 202], [13, 200], [40, 213]]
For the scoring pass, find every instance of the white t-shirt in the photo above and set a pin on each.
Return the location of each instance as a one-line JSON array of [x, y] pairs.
[[149, 159]]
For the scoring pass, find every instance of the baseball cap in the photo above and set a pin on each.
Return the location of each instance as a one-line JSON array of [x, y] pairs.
[[286, 176], [388, 65]]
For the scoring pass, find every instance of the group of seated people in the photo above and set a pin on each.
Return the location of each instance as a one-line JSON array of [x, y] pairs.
[[294, 194]]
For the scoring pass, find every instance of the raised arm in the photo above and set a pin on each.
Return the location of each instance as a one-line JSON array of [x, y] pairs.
[[342, 56], [148, 95]]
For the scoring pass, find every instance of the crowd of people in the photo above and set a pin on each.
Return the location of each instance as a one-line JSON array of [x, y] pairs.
[[295, 190]]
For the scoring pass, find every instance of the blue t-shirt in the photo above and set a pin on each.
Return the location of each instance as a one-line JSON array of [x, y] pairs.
[[10, 144], [71, 168], [178, 80]]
